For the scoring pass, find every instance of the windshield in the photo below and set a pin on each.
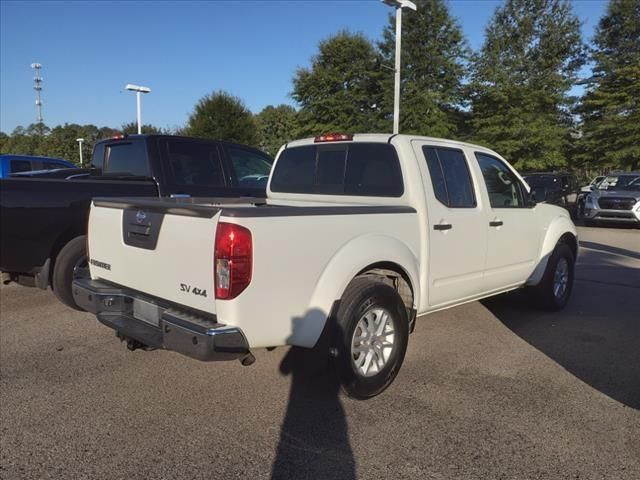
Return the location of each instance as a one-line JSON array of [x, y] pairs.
[[617, 182]]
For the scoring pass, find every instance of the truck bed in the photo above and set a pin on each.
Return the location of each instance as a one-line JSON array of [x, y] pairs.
[[295, 249]]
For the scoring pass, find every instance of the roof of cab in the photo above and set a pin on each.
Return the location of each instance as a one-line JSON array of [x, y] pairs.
[[387, 138]]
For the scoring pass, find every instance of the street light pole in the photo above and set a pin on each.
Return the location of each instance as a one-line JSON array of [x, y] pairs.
[[396, 82], [399, 4], [138, 113], [138, 89], [80, 140]]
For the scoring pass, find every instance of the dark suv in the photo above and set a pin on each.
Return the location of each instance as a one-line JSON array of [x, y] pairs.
[[557, 188]]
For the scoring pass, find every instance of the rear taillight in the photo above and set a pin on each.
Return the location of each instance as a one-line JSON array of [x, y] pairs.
[[86, 237], [233, 260]]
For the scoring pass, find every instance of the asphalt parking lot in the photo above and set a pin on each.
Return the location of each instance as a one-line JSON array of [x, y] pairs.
[[488, 390]]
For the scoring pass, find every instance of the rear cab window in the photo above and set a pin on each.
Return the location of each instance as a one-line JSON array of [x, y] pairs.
[[357, 169]]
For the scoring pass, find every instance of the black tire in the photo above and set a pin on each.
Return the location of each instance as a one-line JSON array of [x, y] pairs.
[[544, 295], [71, 263], [364, 297]]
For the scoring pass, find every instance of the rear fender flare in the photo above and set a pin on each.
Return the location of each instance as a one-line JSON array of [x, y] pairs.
[[354, 257]]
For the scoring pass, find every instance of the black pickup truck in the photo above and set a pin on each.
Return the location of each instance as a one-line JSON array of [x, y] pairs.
[[43, 219]]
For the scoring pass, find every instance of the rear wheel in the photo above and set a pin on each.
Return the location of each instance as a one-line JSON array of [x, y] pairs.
[[371, 337], [554, 290], [71, 264]]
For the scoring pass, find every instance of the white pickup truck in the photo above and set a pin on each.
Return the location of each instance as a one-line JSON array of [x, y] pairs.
[[358, 235]]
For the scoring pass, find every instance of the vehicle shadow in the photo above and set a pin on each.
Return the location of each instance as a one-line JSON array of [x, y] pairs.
[[314, 439], [597, 336], [610, 249]]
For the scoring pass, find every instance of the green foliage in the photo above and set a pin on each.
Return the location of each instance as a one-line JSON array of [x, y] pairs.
[[434, 52], [342, 91], [521, 81], [26, 141], [276, 126], [131, 128], [59, 142], [611, 105], [222, 116]]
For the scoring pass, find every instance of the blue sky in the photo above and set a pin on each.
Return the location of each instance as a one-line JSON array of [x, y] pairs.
[[182, 50]]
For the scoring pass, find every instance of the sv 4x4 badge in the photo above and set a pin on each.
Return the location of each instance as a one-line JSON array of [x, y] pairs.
[[195, 290]]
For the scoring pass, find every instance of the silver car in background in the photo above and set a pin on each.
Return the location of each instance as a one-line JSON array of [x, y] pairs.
[[615, 199]]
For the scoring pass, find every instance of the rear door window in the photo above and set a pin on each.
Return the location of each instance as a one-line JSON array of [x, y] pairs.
[[126, 159], [450, 177], [359, 169], [20, 166], [195, 163]]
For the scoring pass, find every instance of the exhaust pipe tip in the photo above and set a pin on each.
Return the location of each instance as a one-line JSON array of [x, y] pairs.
[[248, 359]]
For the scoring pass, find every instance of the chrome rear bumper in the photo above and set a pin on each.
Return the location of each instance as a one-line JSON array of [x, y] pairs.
[[158, 324]]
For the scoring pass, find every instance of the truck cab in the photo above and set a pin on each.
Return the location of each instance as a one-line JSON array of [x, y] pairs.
[[183, 166]]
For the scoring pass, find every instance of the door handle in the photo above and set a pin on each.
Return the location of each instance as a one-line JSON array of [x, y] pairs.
[[496, 223], [443, 226]]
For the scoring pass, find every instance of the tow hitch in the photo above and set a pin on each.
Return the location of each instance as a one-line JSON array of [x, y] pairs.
[[133, 344]]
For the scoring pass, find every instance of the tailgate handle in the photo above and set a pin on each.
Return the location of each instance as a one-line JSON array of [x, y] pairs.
[[141, 228]]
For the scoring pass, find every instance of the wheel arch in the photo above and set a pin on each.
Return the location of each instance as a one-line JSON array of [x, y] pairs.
[[385, 257], [561, 230], [60, 242]]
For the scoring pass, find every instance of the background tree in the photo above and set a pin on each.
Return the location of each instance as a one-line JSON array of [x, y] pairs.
[[611, 105], [434, 52], [131, 128], [222, 116], [3, 140], [342, 89], [61, 142], [276, 126], [26, 141], [521, 81]]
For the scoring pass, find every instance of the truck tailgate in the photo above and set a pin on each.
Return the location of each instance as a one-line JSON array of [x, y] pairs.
[[143, 245]]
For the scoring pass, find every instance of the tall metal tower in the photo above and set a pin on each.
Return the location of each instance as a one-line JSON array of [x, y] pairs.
[[37, 86]]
